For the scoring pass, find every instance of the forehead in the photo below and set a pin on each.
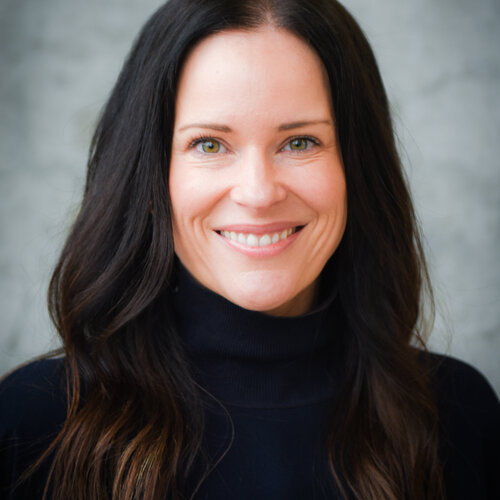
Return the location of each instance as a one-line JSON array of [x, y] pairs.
[[266, 66]]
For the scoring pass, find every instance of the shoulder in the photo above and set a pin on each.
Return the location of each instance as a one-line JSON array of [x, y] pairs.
[[32, 398], [32, 411], [469, 426], [469, 409], [460, 386]]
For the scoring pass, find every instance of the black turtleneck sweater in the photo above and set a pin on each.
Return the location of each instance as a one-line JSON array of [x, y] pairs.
[[272, 384], [276, 376]]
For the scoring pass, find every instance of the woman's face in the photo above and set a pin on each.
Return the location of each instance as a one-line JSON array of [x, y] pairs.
[[256, 179]]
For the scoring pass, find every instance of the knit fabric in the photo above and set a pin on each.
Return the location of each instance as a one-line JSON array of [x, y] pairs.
[[269, 385]]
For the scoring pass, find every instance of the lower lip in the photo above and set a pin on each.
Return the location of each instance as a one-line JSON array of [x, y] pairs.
[[267, 251]]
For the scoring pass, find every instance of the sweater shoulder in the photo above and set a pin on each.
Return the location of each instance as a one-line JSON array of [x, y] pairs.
[[459, 384], [32, 399], [32, 411], [469, 423]]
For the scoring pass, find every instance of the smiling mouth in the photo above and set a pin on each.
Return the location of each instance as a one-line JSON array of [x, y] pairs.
[[259, 240]]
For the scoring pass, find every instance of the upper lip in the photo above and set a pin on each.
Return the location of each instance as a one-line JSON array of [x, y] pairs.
[[275, 227]]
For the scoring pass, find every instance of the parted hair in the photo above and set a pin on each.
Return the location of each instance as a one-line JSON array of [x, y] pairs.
[[135, 422]]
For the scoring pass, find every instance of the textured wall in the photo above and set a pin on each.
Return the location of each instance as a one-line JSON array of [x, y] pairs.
[[440, 62]]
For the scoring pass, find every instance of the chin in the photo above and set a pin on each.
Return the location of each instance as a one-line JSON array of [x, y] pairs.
[[262, 304], [272, 295]]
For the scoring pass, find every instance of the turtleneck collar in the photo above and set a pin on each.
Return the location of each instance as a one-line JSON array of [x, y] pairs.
[[250, 359]]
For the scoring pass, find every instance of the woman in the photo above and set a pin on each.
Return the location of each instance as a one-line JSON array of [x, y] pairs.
[[240, 295]]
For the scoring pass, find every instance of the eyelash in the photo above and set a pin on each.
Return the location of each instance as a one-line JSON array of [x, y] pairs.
[[204, 138], [200, 139], [308, 138]]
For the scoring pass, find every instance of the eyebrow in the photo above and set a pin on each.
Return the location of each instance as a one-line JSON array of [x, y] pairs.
[[283, 126], [212, 126], [290, 126]]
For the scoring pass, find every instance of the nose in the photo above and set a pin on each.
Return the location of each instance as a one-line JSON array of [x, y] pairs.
[[257, 185]]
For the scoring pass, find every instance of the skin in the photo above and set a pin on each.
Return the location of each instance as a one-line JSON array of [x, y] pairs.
[[267, 159]]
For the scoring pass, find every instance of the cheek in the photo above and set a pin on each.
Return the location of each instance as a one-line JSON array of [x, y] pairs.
[[191, 193], [325, 191]]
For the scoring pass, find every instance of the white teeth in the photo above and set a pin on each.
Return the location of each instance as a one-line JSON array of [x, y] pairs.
[[264, 240], [253, 240]]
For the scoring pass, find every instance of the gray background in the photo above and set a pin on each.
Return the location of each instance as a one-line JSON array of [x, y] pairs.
[[441, 65]]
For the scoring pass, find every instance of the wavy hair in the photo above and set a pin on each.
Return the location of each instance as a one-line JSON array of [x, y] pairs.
[[134, 424]]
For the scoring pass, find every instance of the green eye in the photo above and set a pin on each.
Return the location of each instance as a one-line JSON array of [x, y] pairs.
[[207, 145], [210, 146], [299, 144]]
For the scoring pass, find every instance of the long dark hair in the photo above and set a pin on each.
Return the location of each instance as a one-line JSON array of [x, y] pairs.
[[134, 426]]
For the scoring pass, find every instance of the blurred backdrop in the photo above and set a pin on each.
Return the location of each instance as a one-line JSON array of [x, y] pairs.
[[441, 66]]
